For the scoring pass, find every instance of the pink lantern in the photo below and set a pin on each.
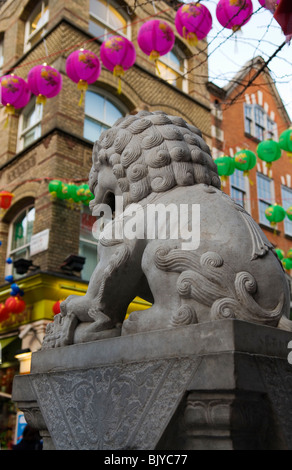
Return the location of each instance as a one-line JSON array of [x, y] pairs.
[[83, 67], [14, 93], [155, 38], [269, 4], [233, 14], [117, 55], [45, 82], [193, 22]]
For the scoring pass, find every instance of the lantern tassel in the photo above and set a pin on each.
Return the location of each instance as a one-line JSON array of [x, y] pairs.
[[190, 37], [82, 86], [9, 110], [41, 99], [119, 72], [246, 173], [154, 55]]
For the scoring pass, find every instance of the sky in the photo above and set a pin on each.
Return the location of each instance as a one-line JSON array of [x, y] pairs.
[[261, 36]]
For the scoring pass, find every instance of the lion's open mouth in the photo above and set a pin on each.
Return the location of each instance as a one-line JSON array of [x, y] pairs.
[[108, 199]]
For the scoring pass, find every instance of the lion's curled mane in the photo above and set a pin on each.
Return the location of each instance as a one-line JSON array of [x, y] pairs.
[[151, 152]]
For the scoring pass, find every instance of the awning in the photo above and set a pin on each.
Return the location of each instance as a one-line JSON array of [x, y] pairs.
[[5, 341]]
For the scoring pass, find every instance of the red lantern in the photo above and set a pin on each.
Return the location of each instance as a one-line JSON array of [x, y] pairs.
[[193, 22], [45, 82], [283, 15], [4, 312], [14, 93], [232, 14], [83, 67], [5, 199], [155, 38], [19, 306], [11, 304], [117, 55], [56, 307]]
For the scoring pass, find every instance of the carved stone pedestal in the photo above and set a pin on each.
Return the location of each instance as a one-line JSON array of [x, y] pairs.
[[220, 385]]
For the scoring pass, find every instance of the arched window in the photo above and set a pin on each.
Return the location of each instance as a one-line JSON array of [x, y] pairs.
[[101, 112], [171, 68], [107, 18], [36, 23], [30, 124], [20, 232]]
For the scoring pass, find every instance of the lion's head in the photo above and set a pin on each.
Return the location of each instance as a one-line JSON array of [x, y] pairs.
[[152, 152]]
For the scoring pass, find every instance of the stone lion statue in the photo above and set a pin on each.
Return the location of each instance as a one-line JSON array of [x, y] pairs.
[[230, 271]]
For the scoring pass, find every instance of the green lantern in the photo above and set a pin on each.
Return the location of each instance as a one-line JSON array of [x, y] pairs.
[[280, 253], [269, 151], [245, 160], [225, 166], [275, 214], [55, 187], [84, 194], [72, 192], [285, 141], [287, 263], [289, 253], [289, 213]]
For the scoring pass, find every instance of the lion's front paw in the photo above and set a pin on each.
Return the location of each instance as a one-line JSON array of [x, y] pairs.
[[60, 331]]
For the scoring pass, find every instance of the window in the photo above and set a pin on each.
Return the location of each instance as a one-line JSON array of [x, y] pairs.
[[286, 203], [1, 51], [35, 25], [30, 124], [237, 188], [265, 196], [106, 19], [101, 112], [171, 68], [20, 232], [258, 124]]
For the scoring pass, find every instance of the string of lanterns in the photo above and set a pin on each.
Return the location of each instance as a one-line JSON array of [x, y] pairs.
[[244, 160], [71, 192], [285, 260], [193, 22]]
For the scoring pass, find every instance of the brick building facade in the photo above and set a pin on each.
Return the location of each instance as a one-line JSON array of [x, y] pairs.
[[55, 140], [242, 117]]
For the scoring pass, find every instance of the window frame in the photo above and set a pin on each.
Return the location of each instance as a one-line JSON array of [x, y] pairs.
[[287, 222], [260, 129], [108, 97], [234, 179], [176, 50], [29, 36], [108, 28], [22, 132], [263, 200], [26, 246]]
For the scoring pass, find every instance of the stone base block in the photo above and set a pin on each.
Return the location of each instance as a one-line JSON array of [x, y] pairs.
[[219, 385]]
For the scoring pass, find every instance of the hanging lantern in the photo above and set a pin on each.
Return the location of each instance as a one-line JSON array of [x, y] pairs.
[[19, 306], [245, 160], [83, 67], [280, 253], [269, 4], [55, 187], [4, 312], [155, 38], [289, 253], [193, 22], [287, 263], [14, 93], [5, 199], [45, 82], [269, 151], [56, 307], [283, 15], [275, 214], [118, 55], [289, 213], [84, 194], [285, 141], [225, 166], [233, 14]]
